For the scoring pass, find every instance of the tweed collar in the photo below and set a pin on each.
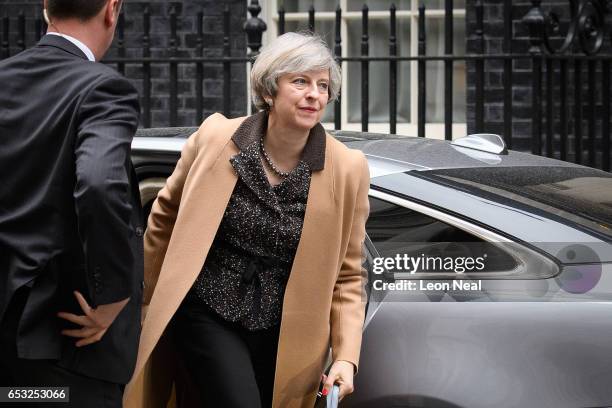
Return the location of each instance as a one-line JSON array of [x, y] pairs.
[[254, 127]]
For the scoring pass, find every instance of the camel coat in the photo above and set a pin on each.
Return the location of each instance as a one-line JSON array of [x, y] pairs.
[[324, 299]]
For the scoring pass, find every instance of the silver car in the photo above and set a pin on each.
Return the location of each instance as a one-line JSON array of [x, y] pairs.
[[531, 328]]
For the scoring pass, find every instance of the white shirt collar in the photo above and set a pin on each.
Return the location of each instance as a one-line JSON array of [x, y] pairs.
[[78, 43]]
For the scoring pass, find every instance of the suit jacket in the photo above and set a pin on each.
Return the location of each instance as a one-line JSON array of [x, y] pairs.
[[69, 203], [324, 300]]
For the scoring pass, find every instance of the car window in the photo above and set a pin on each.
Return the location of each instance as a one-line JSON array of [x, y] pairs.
[[579, 196], [395, 230]]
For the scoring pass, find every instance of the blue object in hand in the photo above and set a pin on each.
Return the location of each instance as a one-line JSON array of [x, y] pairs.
[[332, 397]]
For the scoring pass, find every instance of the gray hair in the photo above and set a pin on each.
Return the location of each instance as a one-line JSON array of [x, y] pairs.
[[288, 54]]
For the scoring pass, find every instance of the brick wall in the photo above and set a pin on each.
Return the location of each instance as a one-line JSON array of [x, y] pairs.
[[159, 40]]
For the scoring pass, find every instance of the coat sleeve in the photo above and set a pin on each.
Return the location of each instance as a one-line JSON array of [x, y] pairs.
[[166, 207], [163, 216], [108, 117], [348, 302]]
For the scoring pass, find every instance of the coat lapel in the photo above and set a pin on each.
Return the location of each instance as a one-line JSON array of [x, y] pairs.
[[294, 379]]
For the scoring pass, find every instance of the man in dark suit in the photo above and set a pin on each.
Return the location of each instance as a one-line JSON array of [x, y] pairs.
[[70, 222]]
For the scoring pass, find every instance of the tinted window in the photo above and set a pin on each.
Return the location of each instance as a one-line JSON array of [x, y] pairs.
[[398, 230], [581, 196]]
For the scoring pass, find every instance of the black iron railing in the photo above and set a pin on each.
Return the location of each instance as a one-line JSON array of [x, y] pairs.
[[586, 33], [252, 27]]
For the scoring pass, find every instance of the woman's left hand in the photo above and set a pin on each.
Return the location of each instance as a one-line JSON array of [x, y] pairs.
[[341, 373]]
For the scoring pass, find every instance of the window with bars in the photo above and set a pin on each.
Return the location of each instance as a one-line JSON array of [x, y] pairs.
[[296, 19]]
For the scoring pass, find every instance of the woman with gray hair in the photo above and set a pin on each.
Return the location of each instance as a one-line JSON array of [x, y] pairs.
[[253, 249]]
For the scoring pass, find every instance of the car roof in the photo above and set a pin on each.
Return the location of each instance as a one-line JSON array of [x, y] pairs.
[[391, 154], [386, 154]]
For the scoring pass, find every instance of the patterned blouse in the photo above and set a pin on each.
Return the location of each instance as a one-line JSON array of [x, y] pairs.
[[246, 271]]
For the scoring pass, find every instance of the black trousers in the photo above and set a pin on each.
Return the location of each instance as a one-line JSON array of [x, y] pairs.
[[230, 365], [18, 372]]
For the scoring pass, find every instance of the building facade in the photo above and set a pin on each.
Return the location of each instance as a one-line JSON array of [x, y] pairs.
[[492, 94]]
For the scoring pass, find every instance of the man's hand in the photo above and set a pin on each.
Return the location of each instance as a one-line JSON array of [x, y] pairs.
[[94, 323]]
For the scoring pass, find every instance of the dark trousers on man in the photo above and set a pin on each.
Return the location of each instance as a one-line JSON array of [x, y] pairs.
[[19, 372], [230, 365]]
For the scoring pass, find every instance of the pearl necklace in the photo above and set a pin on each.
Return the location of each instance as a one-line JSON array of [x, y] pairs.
[[270, 163]]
